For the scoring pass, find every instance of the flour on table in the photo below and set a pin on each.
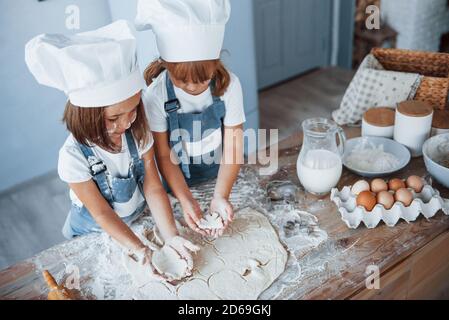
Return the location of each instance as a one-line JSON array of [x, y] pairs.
[[239, 265], [104, 276]]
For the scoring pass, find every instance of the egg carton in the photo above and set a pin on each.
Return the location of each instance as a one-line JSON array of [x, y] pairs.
[[428, 202]]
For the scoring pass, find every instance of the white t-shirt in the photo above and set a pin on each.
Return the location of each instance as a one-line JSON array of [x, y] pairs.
[[74, 168], [155, 96]]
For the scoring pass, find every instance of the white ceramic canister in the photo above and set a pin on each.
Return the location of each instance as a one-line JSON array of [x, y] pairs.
[[378, 122], [413, 125], [440, 124]]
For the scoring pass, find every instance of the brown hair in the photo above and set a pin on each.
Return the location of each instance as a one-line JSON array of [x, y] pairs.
[[88, 126], [196, 72]]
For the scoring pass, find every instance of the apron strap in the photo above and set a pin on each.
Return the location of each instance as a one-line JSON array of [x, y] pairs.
[[136, 161], [171, 108], [132, 146], [212, 88], [98, 171]]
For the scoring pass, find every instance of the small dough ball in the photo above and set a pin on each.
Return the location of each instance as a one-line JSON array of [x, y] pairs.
[[367, 200], [359, 187], [415, 183], [396, 184], [386, 199], [404, 195], [378, 185]]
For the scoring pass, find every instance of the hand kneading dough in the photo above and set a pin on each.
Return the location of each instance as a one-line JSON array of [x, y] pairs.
[[211, 221], [240, 265], [168, 263]]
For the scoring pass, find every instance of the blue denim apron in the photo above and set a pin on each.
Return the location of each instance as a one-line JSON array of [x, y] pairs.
[[194, 170], [114, 190]]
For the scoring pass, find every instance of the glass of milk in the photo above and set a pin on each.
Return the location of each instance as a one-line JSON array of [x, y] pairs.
[[319, 163]]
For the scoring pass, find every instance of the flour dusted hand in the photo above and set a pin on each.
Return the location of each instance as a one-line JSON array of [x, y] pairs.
[[192, 215], [183, 247], [145, 260], [224, 208]]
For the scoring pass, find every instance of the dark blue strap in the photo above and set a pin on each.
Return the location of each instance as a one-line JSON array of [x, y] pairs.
[[171, 108], [98, 171], [136, 161]]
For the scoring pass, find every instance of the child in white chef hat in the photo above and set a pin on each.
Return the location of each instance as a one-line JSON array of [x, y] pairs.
[[108, 159], [195, 104]]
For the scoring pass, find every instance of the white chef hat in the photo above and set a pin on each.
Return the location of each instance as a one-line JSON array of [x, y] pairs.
[[186, 30], [95, 69]]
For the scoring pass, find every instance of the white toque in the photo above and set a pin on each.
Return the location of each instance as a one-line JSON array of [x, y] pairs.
[[185, 30], [95, 69]]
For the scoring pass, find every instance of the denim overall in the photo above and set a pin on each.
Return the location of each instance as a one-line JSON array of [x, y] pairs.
[[114, 190], [211, 118]]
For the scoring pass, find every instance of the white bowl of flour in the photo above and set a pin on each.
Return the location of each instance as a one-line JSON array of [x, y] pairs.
[[375, 156]]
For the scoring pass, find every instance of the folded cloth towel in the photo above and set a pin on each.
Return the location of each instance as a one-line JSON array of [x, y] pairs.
[[373, 86]]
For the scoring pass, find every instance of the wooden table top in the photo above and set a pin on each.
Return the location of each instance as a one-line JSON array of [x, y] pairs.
[[346, 254]]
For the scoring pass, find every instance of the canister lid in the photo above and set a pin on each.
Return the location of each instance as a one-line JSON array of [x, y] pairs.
[[415, 108], [380, 117], [441, 119]]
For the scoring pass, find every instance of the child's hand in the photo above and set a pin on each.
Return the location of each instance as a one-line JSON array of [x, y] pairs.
[[192, 215], [183, 247], [145, 259], [224, 208]]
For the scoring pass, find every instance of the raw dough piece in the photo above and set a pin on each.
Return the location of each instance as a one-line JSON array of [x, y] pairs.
[[155, 290], [230, 285], [211, 221], [168, 262], [195, 289]]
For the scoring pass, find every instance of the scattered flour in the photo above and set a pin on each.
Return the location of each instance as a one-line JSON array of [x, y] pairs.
[[103, 276]]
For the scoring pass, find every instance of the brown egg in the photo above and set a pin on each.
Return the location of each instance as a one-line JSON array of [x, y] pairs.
[[367, 200], [396, 184], [404, 195], [378, 185], [386, 199], [415, 183]]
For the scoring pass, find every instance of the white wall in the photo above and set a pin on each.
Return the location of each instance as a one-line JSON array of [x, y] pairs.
[[31, 132], [240, 42], [147, 50]]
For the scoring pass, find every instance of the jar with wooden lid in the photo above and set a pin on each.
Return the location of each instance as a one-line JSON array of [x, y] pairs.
[[413, 124], [378, 122], [440, 122]]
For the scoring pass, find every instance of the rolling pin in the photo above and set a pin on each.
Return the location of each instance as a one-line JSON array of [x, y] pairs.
[[57, 292]]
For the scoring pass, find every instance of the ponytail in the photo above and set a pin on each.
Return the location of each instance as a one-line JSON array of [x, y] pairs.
[[153, 71]]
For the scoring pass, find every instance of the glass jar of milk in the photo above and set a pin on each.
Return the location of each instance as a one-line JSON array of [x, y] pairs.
[[319, 163]]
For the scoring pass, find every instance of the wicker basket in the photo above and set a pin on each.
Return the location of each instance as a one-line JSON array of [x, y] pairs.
[[434, 67]]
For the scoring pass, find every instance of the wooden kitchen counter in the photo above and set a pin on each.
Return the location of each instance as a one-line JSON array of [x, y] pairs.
[[413, 258]]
